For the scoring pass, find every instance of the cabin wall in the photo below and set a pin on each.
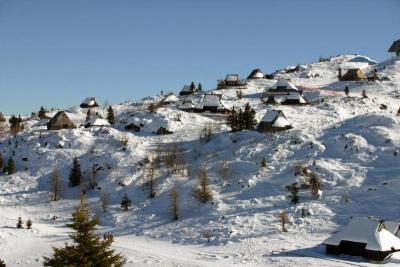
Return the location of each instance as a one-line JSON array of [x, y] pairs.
[[62, 122]]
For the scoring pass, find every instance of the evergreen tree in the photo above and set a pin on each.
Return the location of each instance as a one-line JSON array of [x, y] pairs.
[[87, 248], [294, 191], [126, 202], [232, 120], [87, 116], [42, 113], [110, 115], [202, 192], [2, 263], [315, 185], [10, 166], [75, 174], [29, 224], [15, 125], [192, 87], [19, 223], [249, 116], [263, 163], [346, 90], [200, 87]]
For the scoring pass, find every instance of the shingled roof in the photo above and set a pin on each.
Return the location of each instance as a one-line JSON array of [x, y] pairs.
[[395, 46]]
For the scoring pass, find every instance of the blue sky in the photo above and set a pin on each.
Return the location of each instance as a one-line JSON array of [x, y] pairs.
[[55, 53]]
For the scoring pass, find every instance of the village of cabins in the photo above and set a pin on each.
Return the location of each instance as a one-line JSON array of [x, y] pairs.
[[371, 238]]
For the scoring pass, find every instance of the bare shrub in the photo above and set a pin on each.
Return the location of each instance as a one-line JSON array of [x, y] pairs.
[[283, 220], [202, 192], [174, 197], [56, 185]]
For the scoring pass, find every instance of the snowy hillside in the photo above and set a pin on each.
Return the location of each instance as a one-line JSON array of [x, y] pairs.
[[351, 143]]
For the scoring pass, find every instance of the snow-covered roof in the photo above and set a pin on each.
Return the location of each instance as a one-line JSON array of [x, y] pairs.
[[187, 104], [367, 231], [296, 96], [282, 83], [89, 101], [270, 116], [171, 98], [232, 77], [280, 122], [98, 122], [256, 73]]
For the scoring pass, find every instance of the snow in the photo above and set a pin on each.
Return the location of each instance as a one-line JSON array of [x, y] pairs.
[[354, 142], [280, 123]]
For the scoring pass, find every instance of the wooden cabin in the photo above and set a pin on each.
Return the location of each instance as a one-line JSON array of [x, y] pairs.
[[61, 121], [231, 80], [189, 89], [375, 240], [89, 102], [212, 103], [255, 74], [274, 121], [295, 98], [395, 48], [352, 75], [186, 105], [169, 99], [282, 86]]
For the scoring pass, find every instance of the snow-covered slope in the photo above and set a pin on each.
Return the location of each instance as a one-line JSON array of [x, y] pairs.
[[351, 143]]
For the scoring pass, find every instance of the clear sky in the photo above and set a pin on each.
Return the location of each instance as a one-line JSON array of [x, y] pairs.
[[55, 53]]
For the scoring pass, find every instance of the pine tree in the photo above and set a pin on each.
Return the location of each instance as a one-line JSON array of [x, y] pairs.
[[56, 185], [346, 90], [42, 113], [200, 87], [174, 196], [294, 191], [2, 263], [87, 248], [232, 120], [20, 223], [192, 87], [75, 174], [239, 94], [88, 116], [10, 166], [110, 115], [29, 224], [249, 120], [15, 125], [126, 203]]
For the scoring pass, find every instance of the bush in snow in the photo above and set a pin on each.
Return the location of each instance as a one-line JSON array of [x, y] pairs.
[[19, 223], [15, 125], [125, 202], [174, 196], [56, 185], [206, 134], [263, 163], [364, 94], [42, 113], [202, 192], [239, 94], [294, 191], [75, 175], [152, 108], [10, 166], [314, 184], [87, 248], [2, 263], [29, 224]]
